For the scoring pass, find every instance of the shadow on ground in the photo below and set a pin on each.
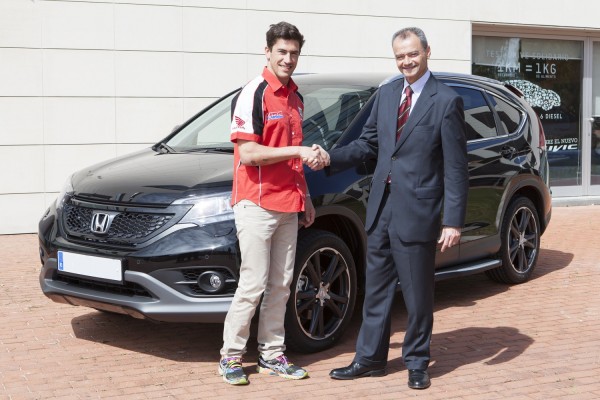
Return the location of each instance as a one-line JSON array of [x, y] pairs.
[[201, 342]]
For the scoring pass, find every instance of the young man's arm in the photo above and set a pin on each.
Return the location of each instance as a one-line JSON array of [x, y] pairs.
[[255, 154]]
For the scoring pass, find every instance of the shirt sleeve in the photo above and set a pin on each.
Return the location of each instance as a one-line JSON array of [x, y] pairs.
[[247, 116]]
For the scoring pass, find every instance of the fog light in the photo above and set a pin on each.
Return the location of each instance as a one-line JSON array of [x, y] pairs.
[[211, 282]]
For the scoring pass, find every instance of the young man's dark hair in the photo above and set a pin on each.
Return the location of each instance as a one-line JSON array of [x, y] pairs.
[[283, 30]]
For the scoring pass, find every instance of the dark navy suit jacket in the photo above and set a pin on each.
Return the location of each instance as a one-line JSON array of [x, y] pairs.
[[428, 164]]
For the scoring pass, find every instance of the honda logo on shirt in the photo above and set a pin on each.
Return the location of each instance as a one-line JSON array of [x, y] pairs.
[[101, 222]]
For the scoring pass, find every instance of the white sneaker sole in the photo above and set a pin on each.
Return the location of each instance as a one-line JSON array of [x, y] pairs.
[[238, 383], [269, 371]]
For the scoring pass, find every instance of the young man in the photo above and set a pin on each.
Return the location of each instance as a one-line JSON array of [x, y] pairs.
[[269, 190]]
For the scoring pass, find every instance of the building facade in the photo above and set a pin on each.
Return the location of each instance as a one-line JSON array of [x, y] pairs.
[[88, 80]]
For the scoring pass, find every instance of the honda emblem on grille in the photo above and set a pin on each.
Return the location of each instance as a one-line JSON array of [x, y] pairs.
[[101, 222]]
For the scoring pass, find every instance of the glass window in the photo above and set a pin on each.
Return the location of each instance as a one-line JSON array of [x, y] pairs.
[[209, 129], [478, 115], [510, 117], [549, 72], [595, 142], [328, 110]]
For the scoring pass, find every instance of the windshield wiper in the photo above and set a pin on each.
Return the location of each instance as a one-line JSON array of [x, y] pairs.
[[164, 148], [211, 150]]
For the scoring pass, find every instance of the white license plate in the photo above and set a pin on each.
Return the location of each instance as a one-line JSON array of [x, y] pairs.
[[96, 267]]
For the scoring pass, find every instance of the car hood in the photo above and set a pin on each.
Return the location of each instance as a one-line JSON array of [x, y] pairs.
[[148, 177]]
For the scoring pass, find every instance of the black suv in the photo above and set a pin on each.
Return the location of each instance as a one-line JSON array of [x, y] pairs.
[[152, 235]]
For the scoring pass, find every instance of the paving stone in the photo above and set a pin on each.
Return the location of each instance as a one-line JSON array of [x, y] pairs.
[[537, 340]]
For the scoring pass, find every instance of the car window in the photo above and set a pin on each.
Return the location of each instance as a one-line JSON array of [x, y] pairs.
[[479, 118], [329, 110], [211, 128], [510, 117]]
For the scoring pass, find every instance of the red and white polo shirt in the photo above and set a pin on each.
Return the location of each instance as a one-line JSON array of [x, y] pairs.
[[269, 113]]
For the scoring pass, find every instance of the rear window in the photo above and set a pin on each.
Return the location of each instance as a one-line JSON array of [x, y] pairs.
[[479, 118], [510, 117]]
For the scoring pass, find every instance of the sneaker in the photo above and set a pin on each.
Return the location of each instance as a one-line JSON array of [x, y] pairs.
[[282, 367], [231, 370]]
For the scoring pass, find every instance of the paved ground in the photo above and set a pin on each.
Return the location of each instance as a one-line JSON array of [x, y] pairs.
[[539, 340]]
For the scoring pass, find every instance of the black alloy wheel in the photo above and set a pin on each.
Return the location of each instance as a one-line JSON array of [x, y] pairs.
[[323, 292], [520, 243]]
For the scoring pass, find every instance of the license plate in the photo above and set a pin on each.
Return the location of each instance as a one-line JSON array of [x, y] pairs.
[[92, 266]]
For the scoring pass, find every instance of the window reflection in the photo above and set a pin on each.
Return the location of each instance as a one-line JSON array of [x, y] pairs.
[[478, 115]]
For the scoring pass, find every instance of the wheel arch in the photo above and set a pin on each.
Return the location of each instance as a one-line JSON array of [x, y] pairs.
[[344, 223], [529, 187]]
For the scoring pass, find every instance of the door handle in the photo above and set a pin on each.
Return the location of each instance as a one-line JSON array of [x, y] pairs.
[[507, 151]]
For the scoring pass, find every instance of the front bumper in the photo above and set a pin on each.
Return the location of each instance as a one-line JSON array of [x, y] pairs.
[[159, 276], [163, 303]]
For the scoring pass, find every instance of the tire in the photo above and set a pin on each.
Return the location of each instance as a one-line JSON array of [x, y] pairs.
[[323, 292], [520, 245]]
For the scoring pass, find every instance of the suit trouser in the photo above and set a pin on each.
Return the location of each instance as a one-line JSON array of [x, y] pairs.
[[390, 259], [268, 249]]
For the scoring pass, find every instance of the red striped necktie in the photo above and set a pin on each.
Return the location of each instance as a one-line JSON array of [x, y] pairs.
[[404, 111]]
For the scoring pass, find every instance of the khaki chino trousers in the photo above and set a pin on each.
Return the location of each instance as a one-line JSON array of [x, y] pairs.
[[268, 250]]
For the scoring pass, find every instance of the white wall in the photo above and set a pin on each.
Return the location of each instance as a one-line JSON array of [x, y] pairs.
[[84, 81]]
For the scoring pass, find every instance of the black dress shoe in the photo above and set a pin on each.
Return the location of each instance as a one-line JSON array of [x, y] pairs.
[[356, 370], [418, 379]]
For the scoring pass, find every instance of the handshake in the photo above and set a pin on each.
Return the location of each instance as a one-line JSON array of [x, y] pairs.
[[315, 157]]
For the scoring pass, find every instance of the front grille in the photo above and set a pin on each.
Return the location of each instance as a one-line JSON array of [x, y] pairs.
[[77, 219], [127, 289], [126, 227]]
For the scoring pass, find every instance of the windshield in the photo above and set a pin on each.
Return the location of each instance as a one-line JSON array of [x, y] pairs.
[[328, 110]]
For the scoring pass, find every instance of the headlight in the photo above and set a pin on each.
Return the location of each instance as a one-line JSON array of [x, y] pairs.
[[67, 188], [207, 209]]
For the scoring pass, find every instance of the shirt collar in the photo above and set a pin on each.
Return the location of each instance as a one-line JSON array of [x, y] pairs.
[[418, 86], [275, 83]]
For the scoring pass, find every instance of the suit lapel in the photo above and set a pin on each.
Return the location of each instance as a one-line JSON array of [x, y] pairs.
[[423, 105], [391, 109]]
